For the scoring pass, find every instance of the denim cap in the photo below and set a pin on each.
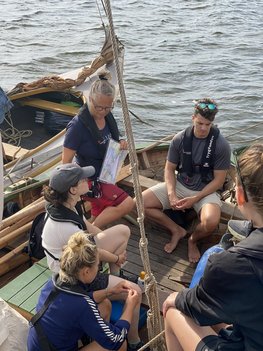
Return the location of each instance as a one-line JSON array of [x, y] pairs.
[[63, 177]]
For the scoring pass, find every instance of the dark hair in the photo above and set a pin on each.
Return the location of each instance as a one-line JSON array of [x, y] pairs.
[[251, 169], [54, 197], [206, 112]]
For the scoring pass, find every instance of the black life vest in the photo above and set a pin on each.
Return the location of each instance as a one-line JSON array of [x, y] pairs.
[[90, 124], [207, 163], [64, 214]]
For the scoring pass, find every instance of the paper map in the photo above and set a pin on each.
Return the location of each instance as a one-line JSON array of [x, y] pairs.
[[112, 162]]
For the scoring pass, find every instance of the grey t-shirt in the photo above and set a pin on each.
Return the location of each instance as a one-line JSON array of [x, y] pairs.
[[221, 159]]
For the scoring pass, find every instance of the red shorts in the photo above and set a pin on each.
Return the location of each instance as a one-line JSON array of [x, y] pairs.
[[111, 195]]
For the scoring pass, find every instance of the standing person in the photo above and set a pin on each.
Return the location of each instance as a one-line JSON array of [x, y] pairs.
[[67, 183], [86, 141], [201, 155], [231, 288], [74, 313]]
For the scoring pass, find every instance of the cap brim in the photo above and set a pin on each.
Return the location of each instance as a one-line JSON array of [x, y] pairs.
[[88, 171]]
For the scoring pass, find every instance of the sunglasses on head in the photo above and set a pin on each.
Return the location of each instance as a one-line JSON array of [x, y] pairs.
[[240, 176], [204, 105]]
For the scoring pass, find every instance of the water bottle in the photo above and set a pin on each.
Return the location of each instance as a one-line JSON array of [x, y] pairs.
[[141, 281]]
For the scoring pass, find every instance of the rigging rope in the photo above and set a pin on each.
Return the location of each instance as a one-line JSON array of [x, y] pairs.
[[154, 320]]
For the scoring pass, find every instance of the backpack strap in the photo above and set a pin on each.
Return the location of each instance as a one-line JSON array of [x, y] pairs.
[[42, 338]]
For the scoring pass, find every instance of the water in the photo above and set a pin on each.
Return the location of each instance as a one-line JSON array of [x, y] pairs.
[[176, 51]]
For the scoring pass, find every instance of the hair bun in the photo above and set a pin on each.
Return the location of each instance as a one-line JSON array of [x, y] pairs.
[[102, 77]]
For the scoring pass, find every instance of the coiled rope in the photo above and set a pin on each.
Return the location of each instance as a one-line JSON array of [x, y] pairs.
[[154, 320]]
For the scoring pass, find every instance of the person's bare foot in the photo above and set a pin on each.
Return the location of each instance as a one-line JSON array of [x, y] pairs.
[[171, 246], [193, 251]]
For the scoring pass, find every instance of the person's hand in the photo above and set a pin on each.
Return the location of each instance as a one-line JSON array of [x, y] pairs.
[[173, 201], [132, 298], [186, 202], [123, 144], [121, 287], [169, 302], [122, 258]]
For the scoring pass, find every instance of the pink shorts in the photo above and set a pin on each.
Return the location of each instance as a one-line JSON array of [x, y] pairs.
[[111, 195]]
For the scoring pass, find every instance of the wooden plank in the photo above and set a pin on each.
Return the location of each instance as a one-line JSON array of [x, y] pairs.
[[10, 290], [51, 106], [144, 182], [14, 152]]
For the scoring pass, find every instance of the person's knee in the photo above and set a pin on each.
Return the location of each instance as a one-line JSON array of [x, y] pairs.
[[124, 231], [210, 224]]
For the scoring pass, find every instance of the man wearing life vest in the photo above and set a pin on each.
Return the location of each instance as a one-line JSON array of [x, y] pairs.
[[201, 157]]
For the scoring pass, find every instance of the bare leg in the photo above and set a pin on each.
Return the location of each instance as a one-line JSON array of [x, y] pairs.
[[181, 333], [133, 335], [111, 214], [209, 219], [114, 240], [105, 309], [153, 210]]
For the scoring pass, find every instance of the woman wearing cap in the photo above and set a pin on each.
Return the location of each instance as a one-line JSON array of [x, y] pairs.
[[231, 289], [86, 141], [67, 183], [73, 312]]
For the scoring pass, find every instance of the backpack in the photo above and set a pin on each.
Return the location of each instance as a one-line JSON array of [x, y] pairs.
[[35, 248]]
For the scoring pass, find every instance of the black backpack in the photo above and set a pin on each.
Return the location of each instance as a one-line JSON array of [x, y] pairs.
[[35, 248]]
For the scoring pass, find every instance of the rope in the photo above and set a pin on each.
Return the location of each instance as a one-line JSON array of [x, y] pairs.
[[12, 135], [154, 320]]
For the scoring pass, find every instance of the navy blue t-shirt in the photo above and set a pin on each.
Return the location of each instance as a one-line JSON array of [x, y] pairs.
[[79, 139]]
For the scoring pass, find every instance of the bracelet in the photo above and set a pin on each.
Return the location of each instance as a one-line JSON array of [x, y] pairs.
[[118, 257]]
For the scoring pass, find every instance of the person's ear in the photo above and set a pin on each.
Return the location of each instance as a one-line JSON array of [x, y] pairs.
[[240, 195]]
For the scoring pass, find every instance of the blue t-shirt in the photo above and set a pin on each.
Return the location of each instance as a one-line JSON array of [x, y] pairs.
[[79, 139], [69, 317]]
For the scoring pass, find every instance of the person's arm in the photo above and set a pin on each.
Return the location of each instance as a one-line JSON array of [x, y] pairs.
[[213, 186], [106, 256], [170, 181], [92, 229], [100, 295], [107, 335], [67, 155]]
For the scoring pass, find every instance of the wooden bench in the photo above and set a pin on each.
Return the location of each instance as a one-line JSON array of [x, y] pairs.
[[13, 152], [22, 293], [50, 106]]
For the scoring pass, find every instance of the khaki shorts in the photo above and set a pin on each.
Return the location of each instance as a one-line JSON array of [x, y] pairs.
[[160, 191]]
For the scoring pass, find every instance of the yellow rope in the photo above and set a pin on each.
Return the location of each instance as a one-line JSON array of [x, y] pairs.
[[154, 320]]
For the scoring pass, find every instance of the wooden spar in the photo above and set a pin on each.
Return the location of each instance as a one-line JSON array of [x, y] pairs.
[[16, 261], [18, 224], [14, 234], [13, 253], [36, 206]]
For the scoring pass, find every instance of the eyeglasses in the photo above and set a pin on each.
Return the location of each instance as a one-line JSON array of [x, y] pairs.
[[101, 108], [240, 176], [204, 105]]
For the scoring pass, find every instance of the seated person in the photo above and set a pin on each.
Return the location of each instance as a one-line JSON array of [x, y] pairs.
[[202, 157], [86, 141], [74, 312], [67, 183], [231, 288]]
